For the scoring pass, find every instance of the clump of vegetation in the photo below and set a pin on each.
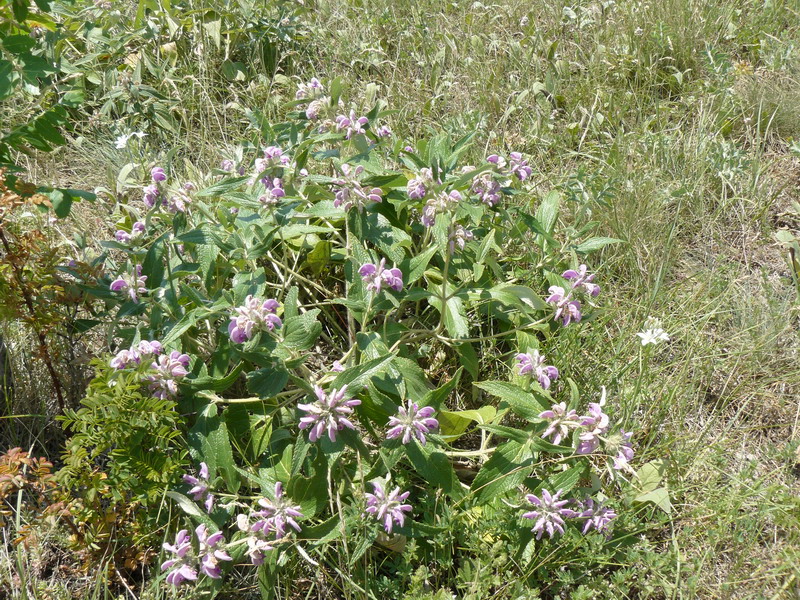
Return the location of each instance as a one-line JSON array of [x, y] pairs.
[[419, 301]]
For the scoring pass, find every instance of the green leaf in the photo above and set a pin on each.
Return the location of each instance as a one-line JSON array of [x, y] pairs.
[[301, 332], [453, 424], [507, 468], [357, 377], [468, 358], [508, 432], [547, 213], [191, 509], [595, 243], [182, 326], [209, 442], [435, 468], [455, 318], [221, 187], [319, 257], [649, 476], [659, 497], [267, 382], [525, 404], [61, 203], [565, 481]]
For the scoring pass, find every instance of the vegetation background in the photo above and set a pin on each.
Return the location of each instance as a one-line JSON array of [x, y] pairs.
[[673, 123]]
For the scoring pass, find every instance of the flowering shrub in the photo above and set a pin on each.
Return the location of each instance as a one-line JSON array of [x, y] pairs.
[[306, 366]]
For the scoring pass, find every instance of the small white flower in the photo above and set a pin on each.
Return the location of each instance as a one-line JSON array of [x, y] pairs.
[[122, 141], [653, 333]]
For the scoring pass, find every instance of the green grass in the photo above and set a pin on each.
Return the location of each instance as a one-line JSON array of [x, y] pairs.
[[668, 124]]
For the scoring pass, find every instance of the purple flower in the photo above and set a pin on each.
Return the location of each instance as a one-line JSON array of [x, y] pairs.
[[125, 359], [200, 491], [133, 356], [351, 193], [183, 566], [179, 202], [581, 278], [311, 89], [412, 422], [147, 348], [152, 196], [315, 108], [158, 175], [568, 310], [377, 276], [167, 370], [594, 425], [352, 125], [549, 514], [534, 363], [624, 451], [227, 165], [328, 412], [208, 552], [274, 193], [337, 367], [258, 542], [519, 166], [277, 514], [597, 516], [383, 131], [487, 189], [561, 421], [418, 187], [253, 315], [440, 203], [133, 284], [497, 160], [459, 236], [123, 237], [387, 509]]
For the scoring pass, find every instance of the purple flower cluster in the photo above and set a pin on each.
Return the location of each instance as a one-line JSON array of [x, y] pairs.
[[567, 309], [351, 193], [377, 276], [264, 528], [440, 203], [550, 513], [132, 357], [387, 509], [185, 565], [180, 201], [412, 421], [459, 236], [200, 487], [254, 315], [153, 192], [273, 157], [329, 412], [274, 191], [418, 187], [133, 284], [624, 451], [598, 517], [561, 421], [594, 426], [582, 279], [123, 237], [487, 188], [168, 370], [533, 362], [351, 124], [311, 89]]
